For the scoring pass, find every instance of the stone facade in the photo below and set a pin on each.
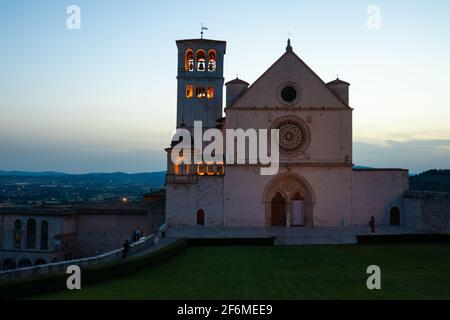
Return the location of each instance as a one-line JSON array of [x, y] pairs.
[[73, 232], [19, 251], [156, 203], [316, 166]]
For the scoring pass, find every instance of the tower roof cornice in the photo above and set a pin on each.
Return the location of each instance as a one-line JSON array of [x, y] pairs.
[[195, 41]]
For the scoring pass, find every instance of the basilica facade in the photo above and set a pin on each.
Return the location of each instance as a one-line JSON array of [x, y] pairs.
[[316, 185]]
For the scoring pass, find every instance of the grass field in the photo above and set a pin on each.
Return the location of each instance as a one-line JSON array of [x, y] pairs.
[[409, 271]]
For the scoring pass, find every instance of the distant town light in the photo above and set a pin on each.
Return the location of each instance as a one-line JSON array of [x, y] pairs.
[[124, 200]]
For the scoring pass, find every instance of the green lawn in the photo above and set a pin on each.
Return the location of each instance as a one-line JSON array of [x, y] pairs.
[[409, 271]]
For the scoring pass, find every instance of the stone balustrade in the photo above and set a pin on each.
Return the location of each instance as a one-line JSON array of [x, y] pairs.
[[34, 271]]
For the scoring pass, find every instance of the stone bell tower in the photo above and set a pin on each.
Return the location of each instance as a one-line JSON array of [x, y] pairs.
[[200, 82]]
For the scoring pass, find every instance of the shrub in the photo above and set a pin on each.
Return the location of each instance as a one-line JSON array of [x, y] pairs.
[[57, 281]]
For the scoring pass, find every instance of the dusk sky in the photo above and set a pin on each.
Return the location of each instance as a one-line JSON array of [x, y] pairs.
[[103, 98]]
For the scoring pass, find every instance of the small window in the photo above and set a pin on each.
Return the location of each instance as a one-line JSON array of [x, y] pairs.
[[189, 91], [210, 169], [210, 94], [289, 94], [201, 169], [220, 169], [200, 92]]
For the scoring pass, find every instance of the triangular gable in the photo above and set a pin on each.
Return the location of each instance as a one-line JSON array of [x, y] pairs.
[[289, 68]]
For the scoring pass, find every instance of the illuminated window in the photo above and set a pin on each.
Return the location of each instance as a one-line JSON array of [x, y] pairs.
[[210, 169], [220, 169], [200, 92], [212, 60], [189, 91], [189, 60], [201, 169], [180, 168], [201, 60], [210, 93]]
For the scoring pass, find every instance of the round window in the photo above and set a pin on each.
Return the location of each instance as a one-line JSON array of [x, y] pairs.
[[289, 93]]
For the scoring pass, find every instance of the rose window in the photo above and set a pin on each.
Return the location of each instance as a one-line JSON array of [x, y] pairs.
[[291, 136]]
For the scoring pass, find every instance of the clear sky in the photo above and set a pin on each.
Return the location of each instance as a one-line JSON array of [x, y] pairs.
[[103, 98]]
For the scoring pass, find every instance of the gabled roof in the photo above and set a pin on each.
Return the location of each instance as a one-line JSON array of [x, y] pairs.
[[288, 53]]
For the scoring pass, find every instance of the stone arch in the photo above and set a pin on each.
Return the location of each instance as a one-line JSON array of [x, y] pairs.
[[24, 263], [291, 185], [200, 58], [39, 262], [9, 264], [189, 60]]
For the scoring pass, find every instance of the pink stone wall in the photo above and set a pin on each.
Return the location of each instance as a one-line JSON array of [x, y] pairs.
[[375, 192]]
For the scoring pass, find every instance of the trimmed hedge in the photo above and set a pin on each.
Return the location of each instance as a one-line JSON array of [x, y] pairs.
[[404, 238], [57, 282]]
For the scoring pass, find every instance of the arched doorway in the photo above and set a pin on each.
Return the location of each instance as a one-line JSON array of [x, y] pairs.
[[298, 198], [278, 210], [200, 217], [297, 210], [394, 216]]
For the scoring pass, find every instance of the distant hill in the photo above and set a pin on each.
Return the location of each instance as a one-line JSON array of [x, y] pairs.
[[431, 180], [150, 179], [30, 174]]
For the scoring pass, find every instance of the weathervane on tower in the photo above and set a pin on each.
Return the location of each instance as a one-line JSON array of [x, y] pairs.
[[202, 28]]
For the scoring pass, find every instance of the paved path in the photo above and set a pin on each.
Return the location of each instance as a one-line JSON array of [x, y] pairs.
[[285, 235], [158, 245]]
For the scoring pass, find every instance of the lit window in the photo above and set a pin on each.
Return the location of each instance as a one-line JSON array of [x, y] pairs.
[[201, 169], [220, 169], [212, 60], [200, 92], [201, 60], [210, 169], [210, 94], [189, 60], [189, 91], [180, 168]]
